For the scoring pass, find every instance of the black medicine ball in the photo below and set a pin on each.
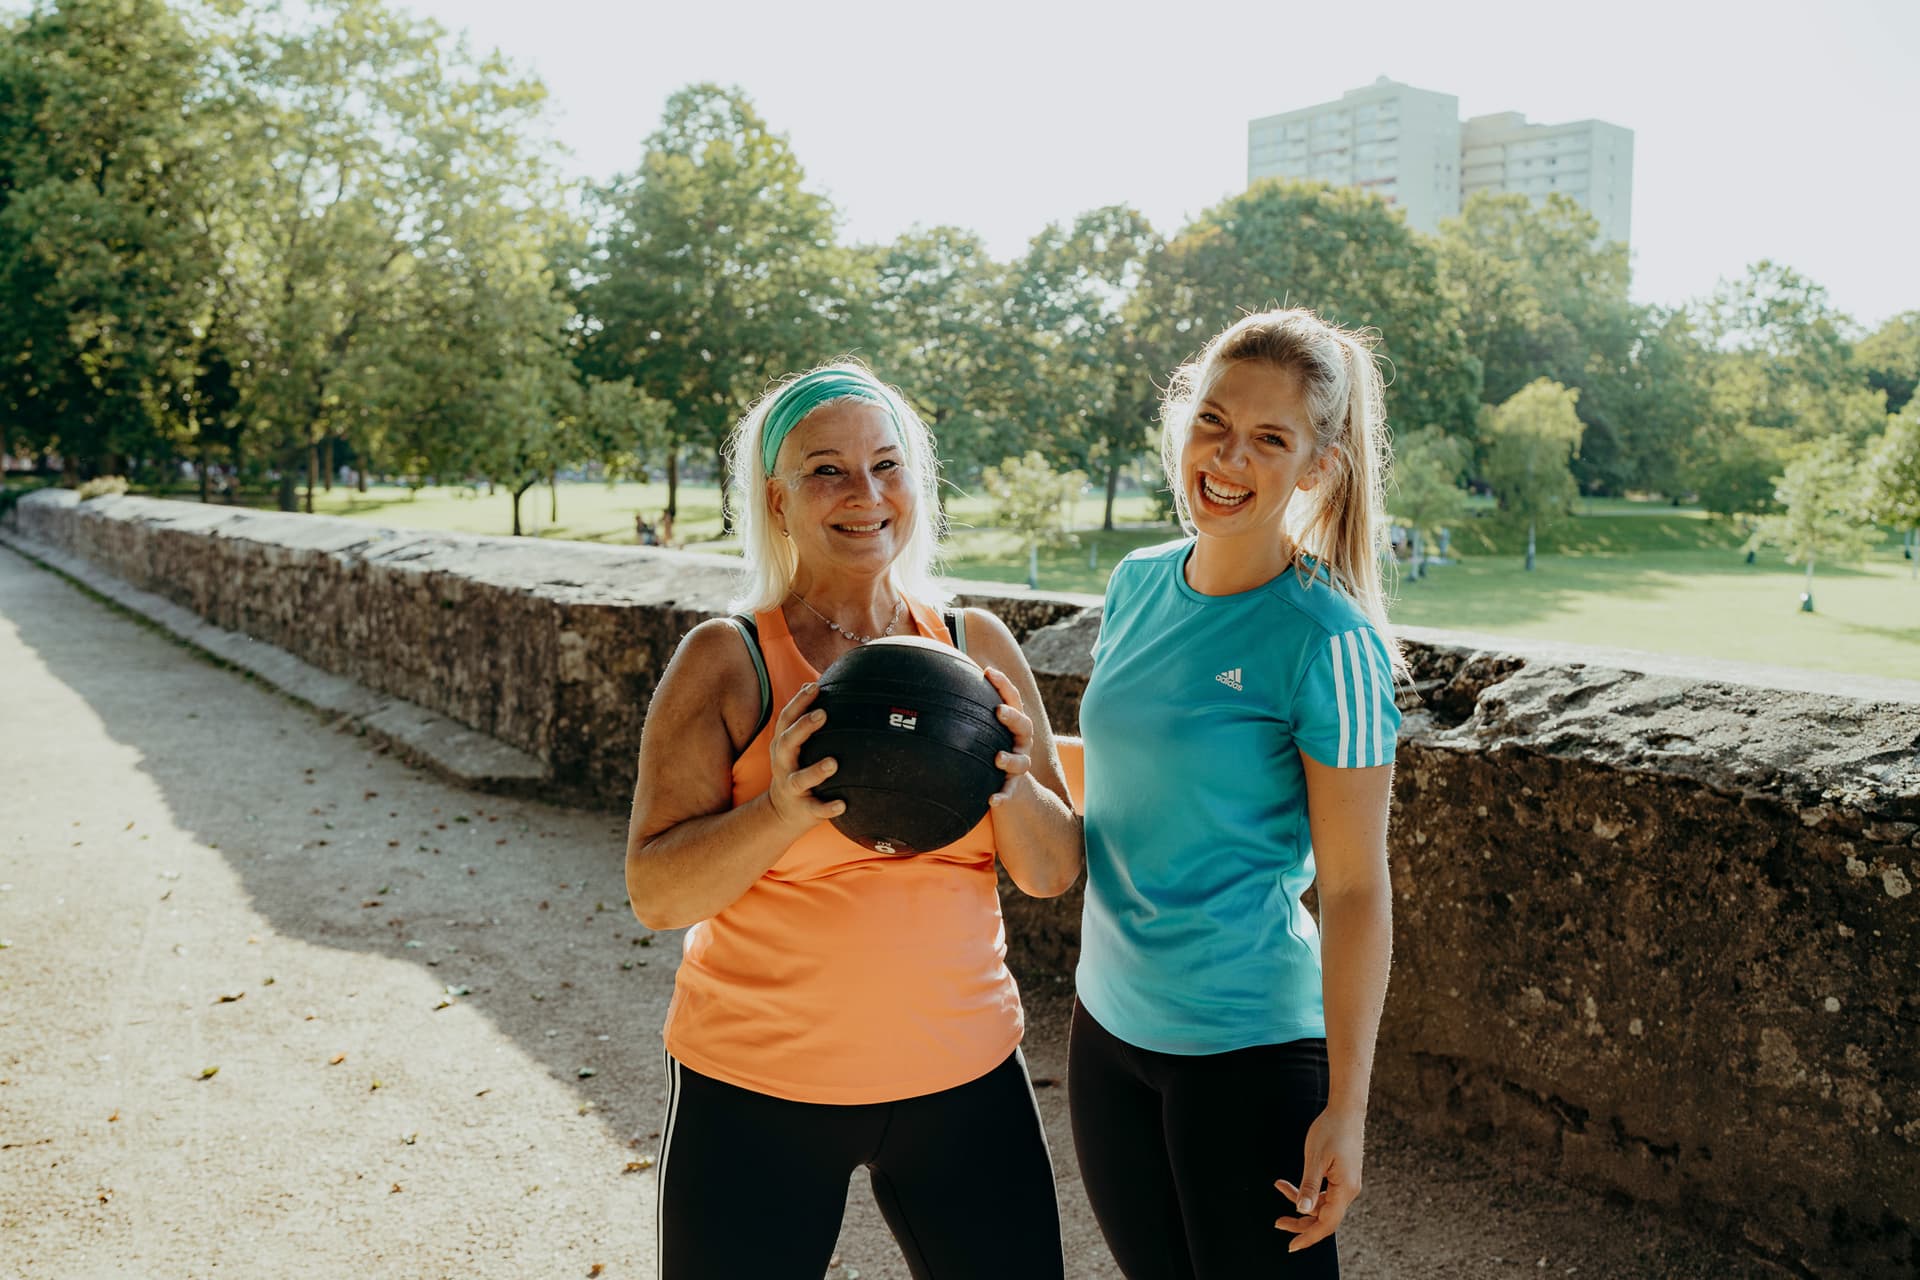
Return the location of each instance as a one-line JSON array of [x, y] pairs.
[[911, 724]]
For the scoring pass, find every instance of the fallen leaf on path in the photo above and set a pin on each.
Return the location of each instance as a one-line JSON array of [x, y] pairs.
[[396, 1189], [595, 1270], [230, 997], [635, 1166], [377, 1084], [586, 1072], [208, 1073], [336, 1059], [115, 1116]]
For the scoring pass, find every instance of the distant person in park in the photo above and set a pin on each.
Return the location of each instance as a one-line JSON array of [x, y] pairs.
[[837, 1007], [1239, 727], [643, 533]]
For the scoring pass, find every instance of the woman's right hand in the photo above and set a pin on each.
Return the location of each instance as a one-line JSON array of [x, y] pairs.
[[791, 791]]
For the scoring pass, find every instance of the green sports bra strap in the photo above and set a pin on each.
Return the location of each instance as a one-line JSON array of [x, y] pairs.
[[750, 636]]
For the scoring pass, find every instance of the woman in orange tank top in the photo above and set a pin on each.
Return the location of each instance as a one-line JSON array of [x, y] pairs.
[[836, 1007]]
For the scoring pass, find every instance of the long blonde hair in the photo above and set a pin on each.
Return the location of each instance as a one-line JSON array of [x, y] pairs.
[[770, 560], [1342, 520]]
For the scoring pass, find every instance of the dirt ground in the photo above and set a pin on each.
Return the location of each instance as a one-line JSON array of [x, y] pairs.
[[274, 1003]]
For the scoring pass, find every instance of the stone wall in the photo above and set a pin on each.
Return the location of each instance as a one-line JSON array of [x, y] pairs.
[[1655, 926]]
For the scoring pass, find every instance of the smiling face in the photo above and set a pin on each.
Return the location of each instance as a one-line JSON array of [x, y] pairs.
[[1251, 447], [842, 492]]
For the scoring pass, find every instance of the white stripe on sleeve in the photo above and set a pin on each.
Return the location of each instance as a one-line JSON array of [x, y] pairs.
[[1362, 700], [1340, 700], [1382, 691]]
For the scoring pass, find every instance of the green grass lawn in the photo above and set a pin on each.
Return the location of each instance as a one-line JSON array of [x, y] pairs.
[[1631, 574]]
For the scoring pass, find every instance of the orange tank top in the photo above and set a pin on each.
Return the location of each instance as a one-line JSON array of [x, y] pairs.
[[843, 975]]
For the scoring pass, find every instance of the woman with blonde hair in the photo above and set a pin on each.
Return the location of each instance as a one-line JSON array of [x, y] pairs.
[[837, 1007], [1239, 728]]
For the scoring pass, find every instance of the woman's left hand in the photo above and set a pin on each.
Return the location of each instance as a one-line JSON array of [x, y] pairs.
[[1016, 762], [1333, 1155]]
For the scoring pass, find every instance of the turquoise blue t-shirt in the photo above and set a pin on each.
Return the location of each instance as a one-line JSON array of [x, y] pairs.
[[1194, 939]]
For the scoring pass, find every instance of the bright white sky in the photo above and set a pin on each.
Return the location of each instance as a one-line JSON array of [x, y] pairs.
[[1761, 129]]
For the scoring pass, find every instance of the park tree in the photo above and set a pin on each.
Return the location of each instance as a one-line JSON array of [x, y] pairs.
[[1784, 359], [1893, 480], [932, 321], [106, 129], [1540, 295], [715, 270], [380, 164], [1082, 380], [1735, 472], [1533, 439], [1034, 501], [1823, 514], [1426, 494], [1346, 254], [1891, 358], [1537, 293]]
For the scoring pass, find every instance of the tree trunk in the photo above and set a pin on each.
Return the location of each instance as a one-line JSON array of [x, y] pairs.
[[1113, 487], [1913, 553], [326, 472], [553, 488], [518, 492], [673, 481], [1529, 546], [360, 472], [313, 471], [289, 494]]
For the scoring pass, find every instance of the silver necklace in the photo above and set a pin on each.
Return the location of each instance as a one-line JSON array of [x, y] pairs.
[[835, 627]]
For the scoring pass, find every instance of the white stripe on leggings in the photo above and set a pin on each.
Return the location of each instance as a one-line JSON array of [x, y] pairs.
[[1039, 1122], [660, 1169]]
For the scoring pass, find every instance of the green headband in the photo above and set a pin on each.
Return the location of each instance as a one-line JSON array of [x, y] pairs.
[[808, 392]]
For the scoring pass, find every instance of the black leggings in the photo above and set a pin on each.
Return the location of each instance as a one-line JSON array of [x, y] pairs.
[[755, 1186], [1179, 1153]]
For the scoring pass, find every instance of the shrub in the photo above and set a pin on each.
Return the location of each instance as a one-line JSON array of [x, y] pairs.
[[102, 487]]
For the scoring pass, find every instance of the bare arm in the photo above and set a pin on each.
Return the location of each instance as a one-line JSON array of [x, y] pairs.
[[1034, 826], [690, 853], [1347, 812]]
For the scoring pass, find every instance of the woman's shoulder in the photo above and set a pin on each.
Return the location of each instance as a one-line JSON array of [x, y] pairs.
[[712, 658], [1164, 553], [1310, 593]]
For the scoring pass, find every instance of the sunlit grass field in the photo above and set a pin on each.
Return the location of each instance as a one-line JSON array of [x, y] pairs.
[[1628, 574]]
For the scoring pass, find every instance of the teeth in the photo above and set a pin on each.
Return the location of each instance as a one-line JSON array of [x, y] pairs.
[[863, 528], [1224, 493]]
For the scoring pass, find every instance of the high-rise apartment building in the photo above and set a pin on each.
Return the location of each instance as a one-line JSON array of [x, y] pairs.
[[1397, 141], [1408, 146], [1589, 160]]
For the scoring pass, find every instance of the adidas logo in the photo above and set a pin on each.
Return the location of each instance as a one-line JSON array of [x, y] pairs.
[[1231, 679]]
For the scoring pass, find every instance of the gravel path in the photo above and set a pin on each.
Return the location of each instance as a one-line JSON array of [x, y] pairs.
[[274, 1003]]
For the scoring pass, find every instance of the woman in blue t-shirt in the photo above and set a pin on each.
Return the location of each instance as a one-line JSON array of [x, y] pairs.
[[1240, 727]]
